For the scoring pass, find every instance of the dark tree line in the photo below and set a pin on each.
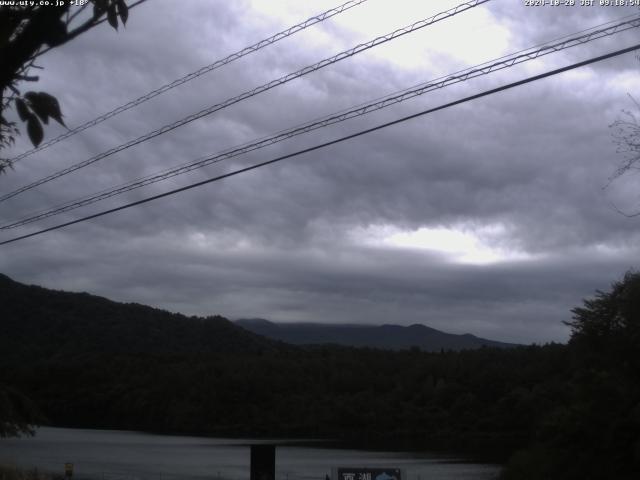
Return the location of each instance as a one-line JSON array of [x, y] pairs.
[[555, 411]]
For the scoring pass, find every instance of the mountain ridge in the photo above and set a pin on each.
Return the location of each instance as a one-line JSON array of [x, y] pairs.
[[41, 321], [385, 336]]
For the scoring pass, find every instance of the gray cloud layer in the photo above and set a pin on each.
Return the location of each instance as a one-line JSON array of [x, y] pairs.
[[294, 241]]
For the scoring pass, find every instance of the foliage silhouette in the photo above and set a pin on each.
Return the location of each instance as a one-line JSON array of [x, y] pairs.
[[27, 30], [557, 411]]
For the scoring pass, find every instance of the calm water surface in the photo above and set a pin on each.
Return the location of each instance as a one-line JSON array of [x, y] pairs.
[[119, 455]]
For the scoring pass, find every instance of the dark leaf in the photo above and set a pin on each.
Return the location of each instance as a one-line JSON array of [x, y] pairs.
[[45, 106], [99, 7], [55, 33], [23, 111], [112, 16], [38, 106], [31, 96], [53, 107], [123, 11], [34, 129]]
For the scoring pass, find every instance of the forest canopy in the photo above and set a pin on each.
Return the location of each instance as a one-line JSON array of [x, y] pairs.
[[553, 411]]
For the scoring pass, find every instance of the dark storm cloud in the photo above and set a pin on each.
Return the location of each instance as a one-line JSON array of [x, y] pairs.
[[292, 241]]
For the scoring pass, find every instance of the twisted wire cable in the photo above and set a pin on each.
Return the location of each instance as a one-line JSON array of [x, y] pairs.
[[464, 75], [328, 143], [250, 93], [206, 69]]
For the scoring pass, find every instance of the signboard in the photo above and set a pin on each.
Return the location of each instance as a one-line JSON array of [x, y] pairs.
[[364, 473], [68, 469]]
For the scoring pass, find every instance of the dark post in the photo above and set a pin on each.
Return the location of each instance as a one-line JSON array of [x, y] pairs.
[[263, 462]]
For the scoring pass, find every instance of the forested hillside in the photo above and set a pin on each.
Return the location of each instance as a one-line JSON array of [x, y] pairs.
[[555, 411], [42, 323]]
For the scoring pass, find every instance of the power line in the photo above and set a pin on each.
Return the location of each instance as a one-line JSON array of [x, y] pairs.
[[485, 68], [332, 142], [217, 64], [442, 82], [42, 52], [250, 93]]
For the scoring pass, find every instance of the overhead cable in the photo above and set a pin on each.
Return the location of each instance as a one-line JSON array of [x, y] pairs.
[[332, 142], [464, 75], [206, 69], [250, 93]]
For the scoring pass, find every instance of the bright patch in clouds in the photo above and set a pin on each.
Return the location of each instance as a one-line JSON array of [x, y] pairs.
[[421, 51], [457, 245]]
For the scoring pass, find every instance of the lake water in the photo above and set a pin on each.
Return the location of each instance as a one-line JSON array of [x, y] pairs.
[[120, 455]]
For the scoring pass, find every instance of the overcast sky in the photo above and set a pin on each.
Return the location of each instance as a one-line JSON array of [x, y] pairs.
[[488, 218]]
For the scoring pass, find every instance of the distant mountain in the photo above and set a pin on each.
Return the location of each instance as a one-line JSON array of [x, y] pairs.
[[41, 323], [392, 337], [88, 362]]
